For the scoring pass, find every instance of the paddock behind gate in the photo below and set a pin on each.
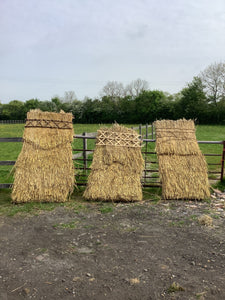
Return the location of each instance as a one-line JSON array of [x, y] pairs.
[[82, 157]]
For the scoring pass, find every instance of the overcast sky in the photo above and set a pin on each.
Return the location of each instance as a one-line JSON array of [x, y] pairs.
[[48, 47]]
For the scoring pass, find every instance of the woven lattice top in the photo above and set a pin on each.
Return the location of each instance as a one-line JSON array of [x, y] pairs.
[[119, 139], [48, 124]]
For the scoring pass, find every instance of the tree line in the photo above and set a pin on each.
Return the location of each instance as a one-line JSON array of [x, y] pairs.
[[203, 99]]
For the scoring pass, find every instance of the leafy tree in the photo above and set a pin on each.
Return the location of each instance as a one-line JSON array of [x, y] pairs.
[[58, 103], [31, 104], [125, 110], [14, 110], [193, 102], [47, 106], [148, 105]]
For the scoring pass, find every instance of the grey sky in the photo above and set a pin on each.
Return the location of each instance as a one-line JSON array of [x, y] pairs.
[[48, 47]]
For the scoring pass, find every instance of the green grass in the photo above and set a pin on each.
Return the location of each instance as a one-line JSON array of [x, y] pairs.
[[10, 151], [106, 209], [9, 209], [70, 225]]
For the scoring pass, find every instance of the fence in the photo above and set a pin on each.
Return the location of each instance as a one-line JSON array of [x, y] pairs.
[[12, 121], [150, 177]]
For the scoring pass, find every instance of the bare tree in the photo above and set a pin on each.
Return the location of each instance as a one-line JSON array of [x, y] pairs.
[[69, 97], [136, 87], [113, 89], [213, 79]]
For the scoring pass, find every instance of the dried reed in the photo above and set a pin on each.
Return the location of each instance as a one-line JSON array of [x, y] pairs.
[[182, 166], [44, 170], [117, 166]]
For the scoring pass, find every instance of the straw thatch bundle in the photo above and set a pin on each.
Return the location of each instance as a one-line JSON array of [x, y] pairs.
[[182, 166], [117, 166], [44, 170]]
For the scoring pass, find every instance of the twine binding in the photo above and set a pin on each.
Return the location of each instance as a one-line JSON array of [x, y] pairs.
[[41, 123]]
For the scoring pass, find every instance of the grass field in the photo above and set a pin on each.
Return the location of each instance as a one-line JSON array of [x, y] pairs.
[[10, 151]]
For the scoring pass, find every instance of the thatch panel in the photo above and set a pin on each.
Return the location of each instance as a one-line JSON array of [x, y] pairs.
[[117, 166], [130, 158], [176, 137], [182, 167], [183, 177], [44, 170], [111, 184]]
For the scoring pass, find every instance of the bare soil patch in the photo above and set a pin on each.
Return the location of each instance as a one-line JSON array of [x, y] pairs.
[[121, 251]]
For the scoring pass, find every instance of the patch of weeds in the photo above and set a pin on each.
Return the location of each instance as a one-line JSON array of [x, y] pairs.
[[177, 223], [206, 211], [193, 217], [172, 206], [200, 295], [215, 216], [88, 226], [152, 194], [10, 209], [130, 229], [152, 207], [29, 208], [70, 225], [175, 287], [207, 200], [219, 185], [106, 209], [78, 208], [43, 250]]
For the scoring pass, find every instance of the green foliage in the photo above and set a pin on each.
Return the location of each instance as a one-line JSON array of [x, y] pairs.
[[148, 105], [14, 110], [106, 209], [175, 287], [193, 100], [144, 106]]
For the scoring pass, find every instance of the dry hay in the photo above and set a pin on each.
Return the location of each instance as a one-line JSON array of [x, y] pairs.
[[44, 170], [182, 166], [205, 220], [116, 167]]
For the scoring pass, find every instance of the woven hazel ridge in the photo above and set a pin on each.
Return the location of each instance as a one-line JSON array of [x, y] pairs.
[[116, 168], [182, 166], [114, 138], [44, 170]]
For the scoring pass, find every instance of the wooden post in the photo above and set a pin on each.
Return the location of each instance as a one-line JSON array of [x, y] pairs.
[[222, 162], [85, 151], [152, 132], [140, 130]]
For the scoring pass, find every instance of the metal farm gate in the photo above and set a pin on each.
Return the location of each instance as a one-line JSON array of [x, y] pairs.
[[83, 148]]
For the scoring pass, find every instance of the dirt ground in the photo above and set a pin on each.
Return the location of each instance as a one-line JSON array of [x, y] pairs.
[[121, 251]]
